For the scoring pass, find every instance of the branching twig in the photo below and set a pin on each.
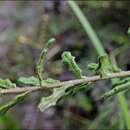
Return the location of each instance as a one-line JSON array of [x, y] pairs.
[[18, 90]]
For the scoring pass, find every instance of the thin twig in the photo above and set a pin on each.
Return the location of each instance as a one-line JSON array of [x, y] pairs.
[[75, 82]]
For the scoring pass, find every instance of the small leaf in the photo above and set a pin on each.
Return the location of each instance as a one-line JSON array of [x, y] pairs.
[[83, 87], [6, 83], [120, 82], [35, 81], [13, 102], [104, 68], [115, 68], [51, 81], [28, 81], [119, 86], [92, 66], [41, 60], [51, 100], [73, 90], [73, 67]]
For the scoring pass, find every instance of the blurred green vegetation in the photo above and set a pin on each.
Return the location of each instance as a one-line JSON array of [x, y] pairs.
[[24, 28]]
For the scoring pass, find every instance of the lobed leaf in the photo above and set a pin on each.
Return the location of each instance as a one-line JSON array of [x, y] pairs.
[[92, 66], [13, 102], [51, 100], [73, 67], [104, 68], [6, 83], [35, 81], [41, 60], [121, 85], [75, 89], [28, 81], [120, 82]]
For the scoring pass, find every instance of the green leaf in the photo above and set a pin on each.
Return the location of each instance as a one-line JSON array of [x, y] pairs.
[[92, 66], [35, 81], [73, 67], [51, 81], [119, 86], [120, 82], [51, 100], [28, 81], [41, 60], [13, 102], [82, 87], [6, 83], [73, 90], [104, 68]]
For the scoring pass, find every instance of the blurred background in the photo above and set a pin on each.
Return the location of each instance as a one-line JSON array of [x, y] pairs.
[[24, 28]]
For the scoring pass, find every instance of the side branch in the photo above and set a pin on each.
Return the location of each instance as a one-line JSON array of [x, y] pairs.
[[18, 90]]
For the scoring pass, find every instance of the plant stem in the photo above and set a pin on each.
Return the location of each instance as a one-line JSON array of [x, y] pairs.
[[124, 108], [75, 82], [87, 27], [100, 50], [118, 51]]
